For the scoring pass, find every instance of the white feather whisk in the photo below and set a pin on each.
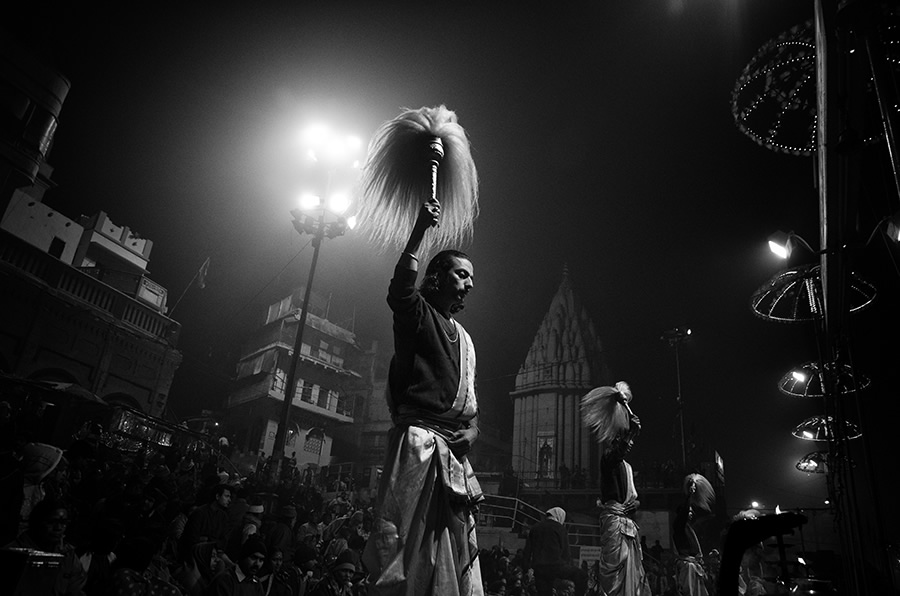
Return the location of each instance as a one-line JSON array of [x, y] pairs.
[[401, 173]]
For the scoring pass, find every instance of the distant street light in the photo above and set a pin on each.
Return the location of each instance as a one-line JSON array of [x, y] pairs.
[[675, 337], [321, 219], [782, 244]]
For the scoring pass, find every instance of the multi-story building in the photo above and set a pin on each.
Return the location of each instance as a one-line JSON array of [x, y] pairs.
[[334, 376], [76, 305]]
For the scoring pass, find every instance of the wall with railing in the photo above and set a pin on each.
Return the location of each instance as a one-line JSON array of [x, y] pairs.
[[18, 257], [518, 516]]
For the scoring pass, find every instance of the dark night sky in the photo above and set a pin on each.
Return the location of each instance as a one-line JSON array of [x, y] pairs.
[[604, 140]]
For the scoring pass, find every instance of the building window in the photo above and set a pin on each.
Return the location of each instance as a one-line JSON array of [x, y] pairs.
[[322, 397], [344, 404], [298, 390], [57, 246], [304, 391], [278, 381], [278, 310], [313, 444]]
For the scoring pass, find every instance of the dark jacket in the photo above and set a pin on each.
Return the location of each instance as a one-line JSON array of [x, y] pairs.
[[547, 544]]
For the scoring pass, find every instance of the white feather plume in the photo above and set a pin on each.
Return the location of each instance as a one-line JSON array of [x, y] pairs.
[[703, 496], [396, 180], [605, 411]]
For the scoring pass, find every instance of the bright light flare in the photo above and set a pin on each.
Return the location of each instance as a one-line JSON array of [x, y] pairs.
[[335, 149], [780, 244], [798, 376], [316, 135], [893, 227], [351, 222], [808, 435], [780, 250], [801, 560], [324, 144], [354, 143], [309, 201], [754, 504], [338, 203], [778, 510]]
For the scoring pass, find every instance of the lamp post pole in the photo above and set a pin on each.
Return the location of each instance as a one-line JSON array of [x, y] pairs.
[[675, 337], [335, 149], [290, 387], [680, 401]]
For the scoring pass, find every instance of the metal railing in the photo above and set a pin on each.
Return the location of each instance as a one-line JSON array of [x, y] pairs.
[[509, 512], [65, 280], [553, 480]]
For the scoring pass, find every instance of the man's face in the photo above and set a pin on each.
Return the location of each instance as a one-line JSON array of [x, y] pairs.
[[224, 498], [308, 566], [456, 282], [276, 561], [343, 576], [251, 564], [55, 526]]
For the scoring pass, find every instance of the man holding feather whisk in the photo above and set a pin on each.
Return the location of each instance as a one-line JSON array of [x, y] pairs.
[[607, 411], [423, 540]]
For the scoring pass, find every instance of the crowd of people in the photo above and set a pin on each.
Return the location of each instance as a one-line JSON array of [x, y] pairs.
[[126, 524], [509, 573], [163, 521], [102, 520], [159, 520]]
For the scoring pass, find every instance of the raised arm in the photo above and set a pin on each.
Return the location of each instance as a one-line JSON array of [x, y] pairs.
[[429, 216]]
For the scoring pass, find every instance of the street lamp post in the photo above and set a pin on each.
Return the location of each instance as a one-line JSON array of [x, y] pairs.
[[290, 388], [319, 228], [675, 337]]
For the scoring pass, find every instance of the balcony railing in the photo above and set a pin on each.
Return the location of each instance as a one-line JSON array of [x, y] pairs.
[[519, 516], [328, 402], [19, 257], [131, 284], [553, 480]]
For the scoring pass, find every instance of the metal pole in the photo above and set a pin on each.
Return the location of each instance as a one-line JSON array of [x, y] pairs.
[[281, 434], [885, 92], [674, 337], [680, 402]]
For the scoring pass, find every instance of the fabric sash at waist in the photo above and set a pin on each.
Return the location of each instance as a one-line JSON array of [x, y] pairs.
[[618, 521], [457, 474], [440, 425]]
